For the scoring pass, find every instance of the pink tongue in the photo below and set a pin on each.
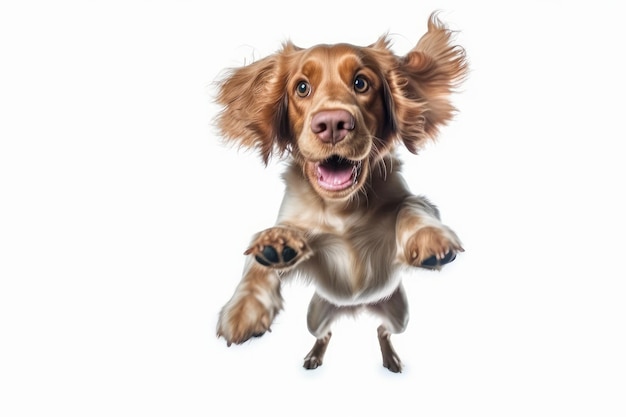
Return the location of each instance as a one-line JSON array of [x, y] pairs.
[[334, 178]]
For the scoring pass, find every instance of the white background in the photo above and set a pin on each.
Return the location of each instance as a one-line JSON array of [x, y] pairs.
[[123, 218]]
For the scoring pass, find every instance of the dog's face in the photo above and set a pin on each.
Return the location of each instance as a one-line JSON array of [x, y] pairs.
[[338, 119], [339, 109]]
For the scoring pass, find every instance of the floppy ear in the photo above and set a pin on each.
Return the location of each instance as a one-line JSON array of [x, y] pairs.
[[254, 112], [421, 84]]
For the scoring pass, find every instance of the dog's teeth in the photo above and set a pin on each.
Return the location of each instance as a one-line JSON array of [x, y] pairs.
[[413, 254]]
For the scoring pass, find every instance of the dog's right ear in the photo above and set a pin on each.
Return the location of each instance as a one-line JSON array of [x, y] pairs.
[[254, 105]]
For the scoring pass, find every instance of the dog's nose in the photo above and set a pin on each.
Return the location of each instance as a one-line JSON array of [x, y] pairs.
[[332, 125]]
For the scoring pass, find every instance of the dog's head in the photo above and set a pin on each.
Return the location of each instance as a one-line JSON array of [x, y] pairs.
[[338, 109]]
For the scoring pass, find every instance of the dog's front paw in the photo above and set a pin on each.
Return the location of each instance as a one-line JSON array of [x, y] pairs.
[[432, 247], [279, 247], [244, 319]]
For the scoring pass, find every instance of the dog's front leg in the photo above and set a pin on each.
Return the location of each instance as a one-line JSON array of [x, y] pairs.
[[421, 237], [253, 306], [257, 300]]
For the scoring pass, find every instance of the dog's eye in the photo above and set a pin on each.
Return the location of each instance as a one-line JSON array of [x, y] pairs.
[[360, 84], [303, 89]]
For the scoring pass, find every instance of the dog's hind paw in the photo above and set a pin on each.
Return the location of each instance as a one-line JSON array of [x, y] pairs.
[[279, 247], [315, 357]]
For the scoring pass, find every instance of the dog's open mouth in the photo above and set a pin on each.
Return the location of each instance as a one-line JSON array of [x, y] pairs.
[[337, 173]]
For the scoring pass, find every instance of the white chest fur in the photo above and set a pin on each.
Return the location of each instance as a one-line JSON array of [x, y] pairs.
[[354, 246]]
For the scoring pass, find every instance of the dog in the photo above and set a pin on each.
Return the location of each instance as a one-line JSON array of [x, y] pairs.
[[347, 223]]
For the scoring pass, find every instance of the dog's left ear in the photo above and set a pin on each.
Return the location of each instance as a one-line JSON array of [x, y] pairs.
[[254, 105], [421, 84]]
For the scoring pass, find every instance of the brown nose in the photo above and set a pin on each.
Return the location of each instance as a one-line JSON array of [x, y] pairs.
[[332, 125]]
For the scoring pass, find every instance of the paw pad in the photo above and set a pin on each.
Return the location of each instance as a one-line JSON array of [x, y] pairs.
[[279, 247], [434, 262], [269, 256]]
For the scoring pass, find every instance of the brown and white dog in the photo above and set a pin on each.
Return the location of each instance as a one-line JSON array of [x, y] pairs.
[[348, 222]]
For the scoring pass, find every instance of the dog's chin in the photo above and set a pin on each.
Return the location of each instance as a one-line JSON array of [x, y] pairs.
[[337, 178]]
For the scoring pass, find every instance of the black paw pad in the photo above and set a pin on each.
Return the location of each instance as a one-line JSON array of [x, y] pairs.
[[433, 262], [289, 253], [269, 256]]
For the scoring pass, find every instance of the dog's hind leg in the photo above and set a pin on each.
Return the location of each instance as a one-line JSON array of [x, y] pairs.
[[320, 316], [395, 314], [314, 358]]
